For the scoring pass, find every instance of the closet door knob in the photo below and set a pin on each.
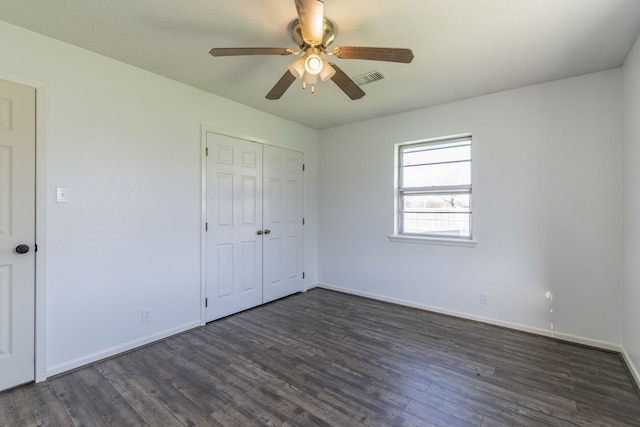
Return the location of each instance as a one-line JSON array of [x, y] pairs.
[[267, 231], [259, 232]]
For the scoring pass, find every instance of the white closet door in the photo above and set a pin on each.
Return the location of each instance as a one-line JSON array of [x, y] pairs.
[[283, 215], [234, 217]]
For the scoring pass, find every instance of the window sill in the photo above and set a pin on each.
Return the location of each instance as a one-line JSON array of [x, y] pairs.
[[433, 241]]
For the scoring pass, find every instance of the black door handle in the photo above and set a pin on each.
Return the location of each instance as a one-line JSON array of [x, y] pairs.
[[22, 249]]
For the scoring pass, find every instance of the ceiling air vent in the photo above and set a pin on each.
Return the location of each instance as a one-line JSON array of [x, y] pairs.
[[369, 77]]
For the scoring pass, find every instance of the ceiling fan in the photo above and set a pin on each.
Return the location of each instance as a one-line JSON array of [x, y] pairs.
[[313, 33]]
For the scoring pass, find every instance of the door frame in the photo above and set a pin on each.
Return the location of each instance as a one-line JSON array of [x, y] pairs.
[[42, 108], [204, 129]]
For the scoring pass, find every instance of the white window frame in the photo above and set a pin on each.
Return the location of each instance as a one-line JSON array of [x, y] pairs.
[[398, 235]]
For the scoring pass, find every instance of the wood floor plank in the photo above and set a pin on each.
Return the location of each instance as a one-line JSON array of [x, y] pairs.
[[539, 403], [328, 359], [494, 411], [142, 400], [162, 388], [78, 401], [47, 410], [16, 408], [209, 395], [446, 412]]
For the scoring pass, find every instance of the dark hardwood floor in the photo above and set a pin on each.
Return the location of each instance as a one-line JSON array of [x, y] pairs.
[[329, 359]]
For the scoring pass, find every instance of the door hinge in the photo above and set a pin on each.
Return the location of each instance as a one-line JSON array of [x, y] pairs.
[[206, 302], [206, 150], [303, 167], [206, 226], [302, 221], [303, 274]]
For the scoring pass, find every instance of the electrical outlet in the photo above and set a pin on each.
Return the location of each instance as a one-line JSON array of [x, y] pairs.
[[146, 315], [484, 298]]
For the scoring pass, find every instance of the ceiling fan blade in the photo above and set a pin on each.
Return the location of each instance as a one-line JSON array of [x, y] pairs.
[[239, 51], [345, 83], [374, 53], [311, 17], [281, 87]]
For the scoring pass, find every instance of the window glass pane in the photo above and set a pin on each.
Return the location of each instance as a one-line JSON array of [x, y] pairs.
[[437, 224], [436, 203], [427, 155], [438, 174]]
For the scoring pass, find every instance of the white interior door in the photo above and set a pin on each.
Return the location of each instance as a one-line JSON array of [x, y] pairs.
[[283, 241], [234, 218], [17, 234]]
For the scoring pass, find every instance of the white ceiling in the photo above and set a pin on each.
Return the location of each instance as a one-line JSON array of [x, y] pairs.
[[462, 48]]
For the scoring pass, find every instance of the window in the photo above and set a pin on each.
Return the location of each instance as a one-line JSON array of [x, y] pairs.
[[434, 189]]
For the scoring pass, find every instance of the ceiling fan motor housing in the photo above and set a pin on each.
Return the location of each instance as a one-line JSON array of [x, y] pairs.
[[328, 33]]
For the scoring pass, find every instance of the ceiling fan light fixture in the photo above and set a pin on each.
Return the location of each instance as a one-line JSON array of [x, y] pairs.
[[313, 63]]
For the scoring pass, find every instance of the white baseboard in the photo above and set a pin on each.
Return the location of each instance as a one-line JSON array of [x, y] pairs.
[[519, 327], [103, 354], [309, 287], [632, 368]]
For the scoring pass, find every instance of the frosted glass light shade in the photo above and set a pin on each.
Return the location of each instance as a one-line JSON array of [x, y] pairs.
[[310, 79], [327, 72], [297, 67]]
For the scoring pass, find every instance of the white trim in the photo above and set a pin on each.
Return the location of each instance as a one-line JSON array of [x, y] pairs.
[[42, 116], [516, 326], [42, 179], [433, 241], [604, 345], [453, 138], [232, 134], [131, 345], [203, 221], [632, 368], [23, 80], [310, 286], [225, 132]]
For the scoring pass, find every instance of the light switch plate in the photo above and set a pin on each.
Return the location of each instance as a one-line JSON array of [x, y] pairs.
[[62, 194]]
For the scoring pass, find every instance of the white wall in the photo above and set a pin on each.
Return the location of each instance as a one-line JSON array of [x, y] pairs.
[[631, 151], [547, 210], [127, 144]]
